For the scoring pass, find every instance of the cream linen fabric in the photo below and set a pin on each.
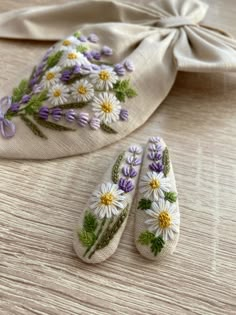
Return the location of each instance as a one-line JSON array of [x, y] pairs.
[[160, 37], [104, 253], [141, 216]]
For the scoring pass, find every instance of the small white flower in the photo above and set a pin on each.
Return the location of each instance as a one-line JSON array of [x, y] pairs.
[[82, 91], [153, 185], [106, 107], [104, 78], [69, 42], [72, 58], [108, 201], [51, 77], [58, 94], [165, 219]]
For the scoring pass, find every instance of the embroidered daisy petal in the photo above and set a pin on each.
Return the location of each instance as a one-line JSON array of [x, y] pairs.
[[82, 91], [106, 107], [72, 58], [107, 201], [69, 42], [51, 77], [58, 94], [104, 78]]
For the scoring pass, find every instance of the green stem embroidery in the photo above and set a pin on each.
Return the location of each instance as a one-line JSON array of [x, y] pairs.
[[51, 125], [107, 128], [116, 168], [71, 105], [33, 127], [166, 161]]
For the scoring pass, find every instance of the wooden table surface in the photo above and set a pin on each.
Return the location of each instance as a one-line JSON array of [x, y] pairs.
[[41, 201]]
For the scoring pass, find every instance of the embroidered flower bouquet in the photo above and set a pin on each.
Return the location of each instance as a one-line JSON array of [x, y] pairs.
[[73, 86]]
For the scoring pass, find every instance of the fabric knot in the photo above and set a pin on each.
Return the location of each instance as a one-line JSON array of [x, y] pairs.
[[174, 22]]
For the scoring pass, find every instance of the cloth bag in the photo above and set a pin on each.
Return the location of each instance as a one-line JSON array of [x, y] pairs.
[[157, 38]]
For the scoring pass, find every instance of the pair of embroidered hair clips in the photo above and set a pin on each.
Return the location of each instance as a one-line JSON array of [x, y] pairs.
[[100, 227]]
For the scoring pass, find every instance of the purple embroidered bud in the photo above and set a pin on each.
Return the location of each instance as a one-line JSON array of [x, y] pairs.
[[133, 160], [155, 139], [83, 39], [156, 167], [93, 38], [48, 52], [76, 69], [88, 55], [44, 112], [107, 51], [154, 147], [135, 149], [124, 114], [154, 156], [70, 115], [56, 114], [33, 81], [95, 123], [125, 185], [129, 65], [96, 55], [95, 67], [86, 69], [119, 69], [37, 88], [129, 171], [83, 119], [15, 107], [25, 99], [66, 75], [39, 70]]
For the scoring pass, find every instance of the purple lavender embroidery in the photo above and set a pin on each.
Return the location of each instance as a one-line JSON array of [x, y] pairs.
[[135, 149], [125, 185], [155, 139], [119, 69], [154, 147], [156, 167], [44, 112], [154, 155], [86, 69], [83, 39], [133, 160], [76, 69], [56, 114], [37, 88], [124, 114], [83, 119], [15, 107], [96, 54], [70, 115], [66, 75], [107, 51], [88, 55], [129, 171], [129, 65], [25, 99], [95, 123], [93, 38], [7, 127], [95, 67]]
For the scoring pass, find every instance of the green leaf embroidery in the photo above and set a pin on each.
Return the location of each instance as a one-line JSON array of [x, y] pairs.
[[34, 128], [54, 59], [107, 128], [166, 161], [77, 34], [170, 196], [82, 48], [20, 91], [90, 222], [144, 204], [157, 244], [71, 105], [116, 168], [130, 93], [123, 89], [87, 238], [146, 237], [51, 125], [35, 102]]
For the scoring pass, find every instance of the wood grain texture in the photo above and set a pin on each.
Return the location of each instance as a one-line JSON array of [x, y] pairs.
[[41, 201]]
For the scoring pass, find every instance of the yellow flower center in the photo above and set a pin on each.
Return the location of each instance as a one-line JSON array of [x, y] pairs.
[[50, 76], [107, 107], [164, 219], [57, 93], [104, 75], [66, 42], [82, 90], [107, 199], [72, 56], [155, 184]]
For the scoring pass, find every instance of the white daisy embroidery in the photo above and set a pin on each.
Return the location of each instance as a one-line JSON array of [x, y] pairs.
[[82, 91], [108, 201], [58, 94], [51, 77], [72, 58], [153, 185], [106, 107], [104, 78], [165, 219], [69, 42]]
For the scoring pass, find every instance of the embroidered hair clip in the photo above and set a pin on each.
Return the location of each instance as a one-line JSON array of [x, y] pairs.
[[104, 218], [84, 93]]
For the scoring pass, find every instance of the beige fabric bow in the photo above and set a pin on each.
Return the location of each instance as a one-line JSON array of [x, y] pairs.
[[160, 37]]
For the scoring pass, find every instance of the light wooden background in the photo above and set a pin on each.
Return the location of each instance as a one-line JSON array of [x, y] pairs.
[[41, 201]]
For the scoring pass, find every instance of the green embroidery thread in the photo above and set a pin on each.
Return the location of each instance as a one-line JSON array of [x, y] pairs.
[[144, 204], [107, 128], [54, 59], [71, 105], [123, 90], [33, 127], [116, 168], [51, 125], [35, 102], [146, 237], [90, 222], [87, 238], [166, 161], [20, 91], [149, 239], [170, 196]]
